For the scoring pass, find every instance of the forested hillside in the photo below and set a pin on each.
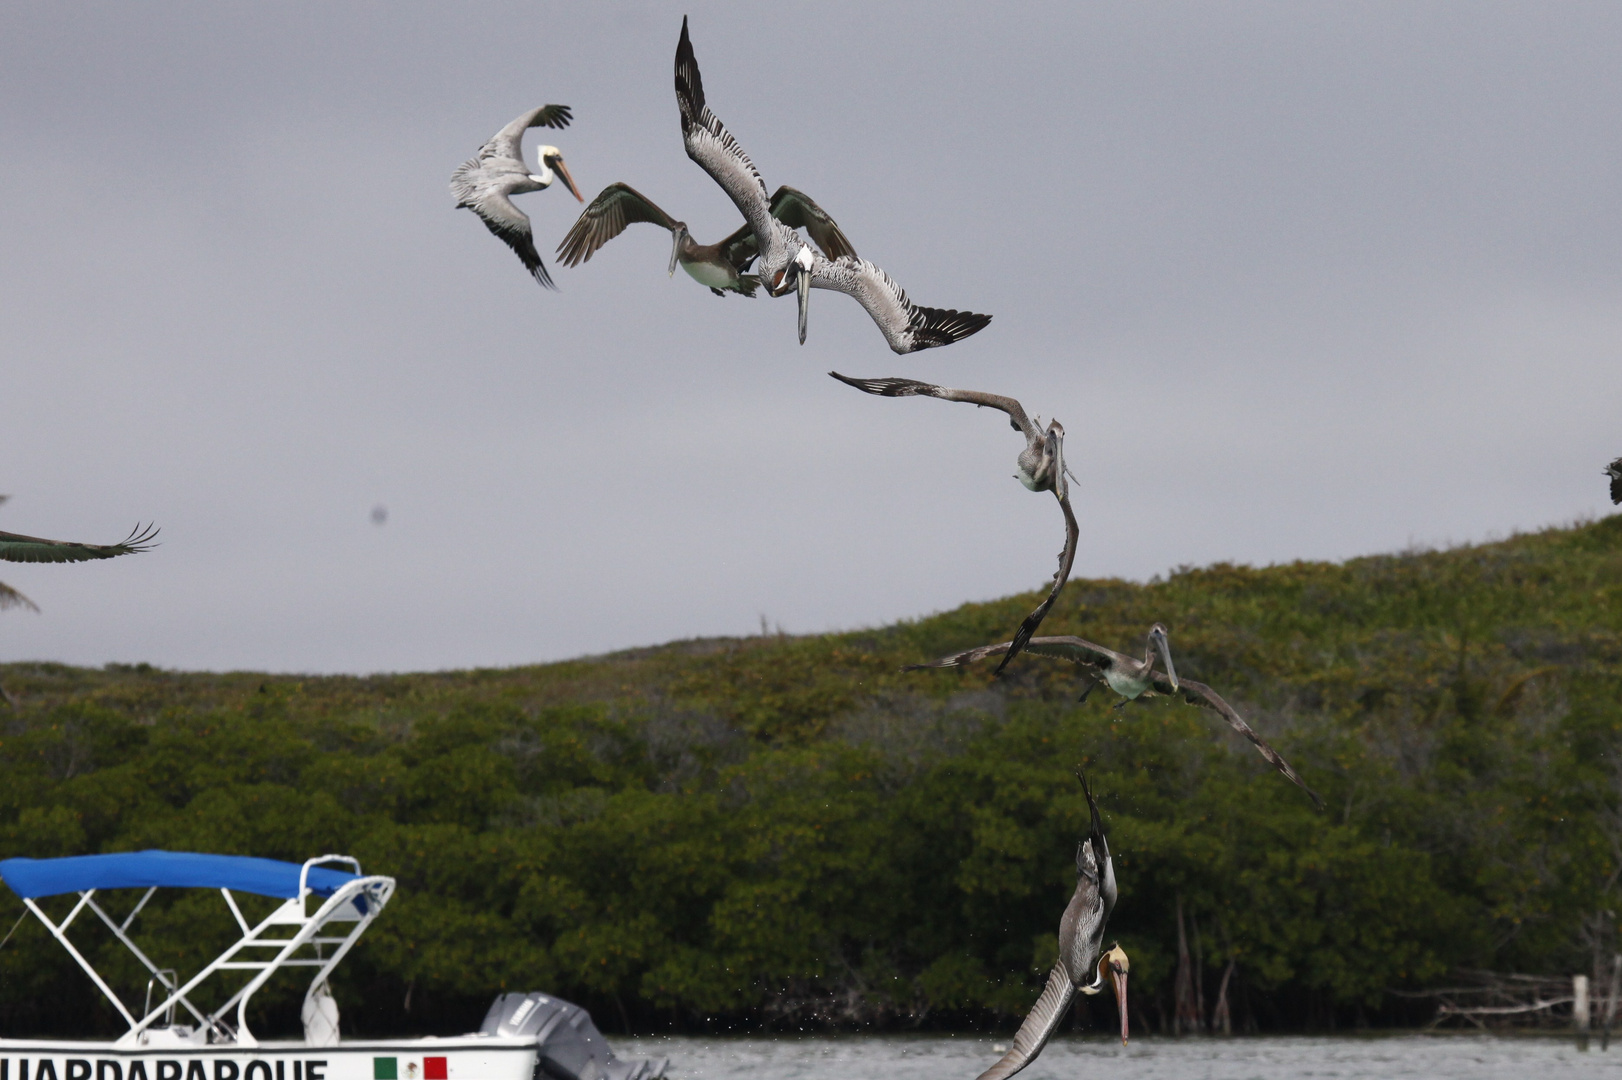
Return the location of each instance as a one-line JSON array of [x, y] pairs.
[[787, 832]]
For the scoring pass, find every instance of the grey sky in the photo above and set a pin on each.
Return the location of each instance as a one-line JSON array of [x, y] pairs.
[[1301, 281]]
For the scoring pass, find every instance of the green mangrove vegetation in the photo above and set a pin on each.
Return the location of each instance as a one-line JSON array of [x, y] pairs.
[[790, 831]]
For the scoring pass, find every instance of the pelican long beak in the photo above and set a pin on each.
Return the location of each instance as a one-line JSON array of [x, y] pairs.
[[568, 181], [1164, 648], [675, 250], [802, 285], [1119, 979]]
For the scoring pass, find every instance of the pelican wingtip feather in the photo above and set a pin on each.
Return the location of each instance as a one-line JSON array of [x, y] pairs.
[[15, 547]]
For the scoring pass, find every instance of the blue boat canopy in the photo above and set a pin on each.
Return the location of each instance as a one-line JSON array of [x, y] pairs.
[[30, 878]]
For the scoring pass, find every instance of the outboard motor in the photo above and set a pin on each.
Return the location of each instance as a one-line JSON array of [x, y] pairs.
[[570, 1046]]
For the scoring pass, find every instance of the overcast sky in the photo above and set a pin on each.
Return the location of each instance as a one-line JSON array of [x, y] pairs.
[[1301, 280]]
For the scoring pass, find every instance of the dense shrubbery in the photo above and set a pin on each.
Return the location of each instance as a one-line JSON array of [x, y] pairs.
[[790, 831]]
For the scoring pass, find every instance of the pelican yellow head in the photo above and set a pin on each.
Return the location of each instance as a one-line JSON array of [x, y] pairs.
[[1114, 966]]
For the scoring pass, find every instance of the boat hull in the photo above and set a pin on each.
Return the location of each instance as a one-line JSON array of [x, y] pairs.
[[460, 1058]]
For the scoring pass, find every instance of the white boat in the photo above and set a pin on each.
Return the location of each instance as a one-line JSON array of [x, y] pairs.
[[327, 903]]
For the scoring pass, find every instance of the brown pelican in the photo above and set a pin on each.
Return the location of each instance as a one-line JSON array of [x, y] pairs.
[[483, 184], [1614, 471], [785, 261], [1081, 941], [1132, 679], [721, 266], [1041, 468]]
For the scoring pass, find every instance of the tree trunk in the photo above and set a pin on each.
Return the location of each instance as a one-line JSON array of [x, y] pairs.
[[1610, 1000], [1199, 976], [1188, 1017], [1221, 1020]]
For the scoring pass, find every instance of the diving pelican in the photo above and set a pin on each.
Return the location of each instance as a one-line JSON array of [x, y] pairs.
[[719, 267], [1041, 468], [1132, 679], [1081, 941], [785, 261], [1614, 471], [483, 184]]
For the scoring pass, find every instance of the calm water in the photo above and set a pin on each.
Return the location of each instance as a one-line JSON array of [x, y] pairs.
[[937, 1057]]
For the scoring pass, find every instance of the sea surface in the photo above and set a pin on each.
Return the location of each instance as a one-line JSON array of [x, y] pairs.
[[945, 1057]]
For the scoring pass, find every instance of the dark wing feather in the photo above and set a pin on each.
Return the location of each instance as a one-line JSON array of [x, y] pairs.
[[741, 248], [10, 598], [914, 388], [968, 656], [689, 83], [1072, 534], [615, 207], [934, 327], [711, 145], [798, 210], [891, 387], [1040, 1024], [552, 116], [509, 141], [1615, 473], [17, 548], [1197, 693], [511, 226], [907, 327]]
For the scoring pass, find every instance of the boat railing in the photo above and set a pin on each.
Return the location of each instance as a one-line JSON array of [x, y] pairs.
[[168, 978], [289, 937]]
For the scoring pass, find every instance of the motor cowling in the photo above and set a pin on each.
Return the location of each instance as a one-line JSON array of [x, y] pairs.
[[570, 1046]]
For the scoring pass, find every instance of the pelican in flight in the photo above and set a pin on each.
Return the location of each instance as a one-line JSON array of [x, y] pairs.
[[786, 263], [1614, 471], [1133, 678], [719, 267], [1081, 952], [15, 547], [1041, 468], [485, 184]]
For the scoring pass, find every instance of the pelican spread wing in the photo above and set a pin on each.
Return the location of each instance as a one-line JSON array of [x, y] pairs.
[[615, 207], [509, 141], [1040, 1024], [1067, 558], [1197, 693], [914, 388], [511, 225], [1614, 471], [1059, 647], [10, 598], [712, 146], [906, 326], [17, 548]]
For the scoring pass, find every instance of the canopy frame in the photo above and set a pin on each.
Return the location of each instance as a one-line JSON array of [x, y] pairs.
[[357, 902]]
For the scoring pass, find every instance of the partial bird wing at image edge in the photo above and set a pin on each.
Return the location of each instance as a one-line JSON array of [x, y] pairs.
[[15, 547]]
